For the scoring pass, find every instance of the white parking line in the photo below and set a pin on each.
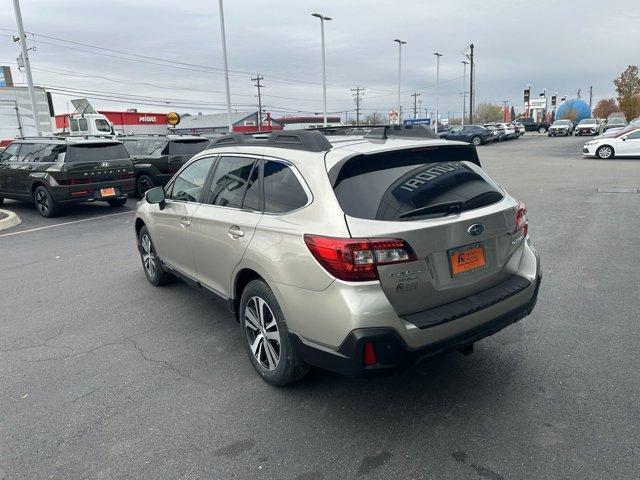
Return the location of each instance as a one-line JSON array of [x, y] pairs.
[[63, 224]]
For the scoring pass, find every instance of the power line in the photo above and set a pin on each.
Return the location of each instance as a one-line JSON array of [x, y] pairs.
[[358, 98]]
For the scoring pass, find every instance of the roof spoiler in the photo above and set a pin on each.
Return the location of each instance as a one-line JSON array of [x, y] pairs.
[[402, 131], [311, 141]]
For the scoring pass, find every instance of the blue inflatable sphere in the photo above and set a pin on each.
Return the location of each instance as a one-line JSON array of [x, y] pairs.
[[578, 105]]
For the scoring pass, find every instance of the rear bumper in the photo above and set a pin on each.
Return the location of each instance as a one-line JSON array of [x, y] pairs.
[[392, 353], [64, 195]]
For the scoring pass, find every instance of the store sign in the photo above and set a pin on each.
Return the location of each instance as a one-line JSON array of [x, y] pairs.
[[538, 103], [147, 119], [173, 118], [417, 121]]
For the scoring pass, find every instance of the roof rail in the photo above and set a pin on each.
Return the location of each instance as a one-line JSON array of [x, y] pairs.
[[309, 140], [405, 131], [41, 137]]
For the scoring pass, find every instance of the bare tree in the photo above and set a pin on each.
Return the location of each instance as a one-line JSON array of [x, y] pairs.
[[374, 118], [487, 112]]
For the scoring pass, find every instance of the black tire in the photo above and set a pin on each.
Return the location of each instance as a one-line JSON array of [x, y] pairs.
[[288, 367], [542, 129], [143, 183], [44, 202], [476, 141], [117, 202], [605, 152], [1, 201], [151, 264]]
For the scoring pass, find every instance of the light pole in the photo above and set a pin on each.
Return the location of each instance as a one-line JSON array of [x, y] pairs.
[[438, 55], [27, 65], [226, 67], [324, 74], [464, 91], [400, 43]]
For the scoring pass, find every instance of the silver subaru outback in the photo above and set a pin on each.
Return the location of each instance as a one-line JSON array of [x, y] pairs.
[[356, 254]]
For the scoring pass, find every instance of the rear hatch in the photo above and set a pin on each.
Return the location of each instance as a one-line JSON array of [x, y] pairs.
[[181, 150], [97, 162], [459, 223]]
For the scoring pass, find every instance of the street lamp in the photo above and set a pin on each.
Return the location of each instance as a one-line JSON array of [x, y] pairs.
[[464, 85], [438, 55], [324, 75], [400, 43], [226, 67]]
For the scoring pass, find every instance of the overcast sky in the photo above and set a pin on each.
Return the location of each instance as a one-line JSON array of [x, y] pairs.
[[557, 45]]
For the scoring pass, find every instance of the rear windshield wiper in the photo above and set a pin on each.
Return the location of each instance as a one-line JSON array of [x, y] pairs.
[[445, 207], [448, 208]]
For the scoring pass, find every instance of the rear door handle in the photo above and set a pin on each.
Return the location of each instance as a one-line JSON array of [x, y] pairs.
[[184, 223], [234, 231]]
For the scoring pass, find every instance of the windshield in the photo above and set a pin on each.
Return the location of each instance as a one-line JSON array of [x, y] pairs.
[[587, 121], [102, 125], [561, 122]]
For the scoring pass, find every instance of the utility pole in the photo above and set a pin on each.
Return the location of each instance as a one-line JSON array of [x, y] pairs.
[[27, 65], [415, 96], [471, 74], [464, 89], [226, 66], [438, 55], [590, 97], [358, 99], [257, 79]]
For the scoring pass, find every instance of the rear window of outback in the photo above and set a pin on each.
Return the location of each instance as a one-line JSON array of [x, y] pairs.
[[412, 184]]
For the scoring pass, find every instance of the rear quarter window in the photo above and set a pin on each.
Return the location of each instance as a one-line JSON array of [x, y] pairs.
[[187, 147], [412, 185], [95, 152]]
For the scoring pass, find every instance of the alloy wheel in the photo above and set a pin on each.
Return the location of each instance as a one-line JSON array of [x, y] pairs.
[[148, 256], [605, 152], [144, 184], [42, 202], [262, 333]]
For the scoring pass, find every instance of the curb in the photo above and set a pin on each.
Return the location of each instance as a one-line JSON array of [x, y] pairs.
[[11, 221]]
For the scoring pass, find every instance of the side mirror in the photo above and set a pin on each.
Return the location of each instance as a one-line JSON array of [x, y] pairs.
[[624, 139], [155, 195]]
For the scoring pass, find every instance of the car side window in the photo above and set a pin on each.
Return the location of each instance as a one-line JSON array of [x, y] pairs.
[[10, 154], [254, 191], [282, 190], [188, 186], [634, 136], [230, 180], [40, 152]]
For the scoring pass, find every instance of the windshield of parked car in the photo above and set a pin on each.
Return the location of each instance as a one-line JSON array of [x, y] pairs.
[[587, 121], [414, 184], [562, 122]]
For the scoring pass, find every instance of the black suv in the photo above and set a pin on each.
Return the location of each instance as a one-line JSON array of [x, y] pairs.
[[56, 171], [157, 158]]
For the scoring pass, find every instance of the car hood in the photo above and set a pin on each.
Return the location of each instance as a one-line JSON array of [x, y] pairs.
[[587, 125], [558, 127]]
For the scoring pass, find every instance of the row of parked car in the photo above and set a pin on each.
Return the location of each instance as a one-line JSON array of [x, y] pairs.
[[57, 171], [586, 126], [481, 134]]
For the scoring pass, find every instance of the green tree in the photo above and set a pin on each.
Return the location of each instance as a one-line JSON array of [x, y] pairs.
[[488, 112], [605, 107], [628, 88]]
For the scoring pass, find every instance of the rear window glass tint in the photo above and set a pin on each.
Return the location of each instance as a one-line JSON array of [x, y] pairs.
[[187, 147], [95, 152], [282, 190], [389, 186]]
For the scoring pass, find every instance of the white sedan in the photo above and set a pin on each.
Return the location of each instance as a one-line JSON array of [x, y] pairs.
[[622, 144]]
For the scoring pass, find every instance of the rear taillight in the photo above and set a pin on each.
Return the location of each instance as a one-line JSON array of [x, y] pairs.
[[522, 223], [126, 176], [75, 181], [356, 259]]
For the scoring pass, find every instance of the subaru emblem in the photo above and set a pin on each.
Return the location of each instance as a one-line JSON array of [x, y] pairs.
[[476, 229], [105, 164]]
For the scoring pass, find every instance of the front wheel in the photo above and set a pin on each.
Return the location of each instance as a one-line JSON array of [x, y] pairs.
[[117, 202], [266, 336], [542, 130], [150, 261], [476, 141], [45, 204], [605, 152]]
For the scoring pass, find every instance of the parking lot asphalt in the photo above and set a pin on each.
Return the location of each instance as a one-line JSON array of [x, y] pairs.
[[105, 377]]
